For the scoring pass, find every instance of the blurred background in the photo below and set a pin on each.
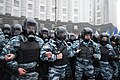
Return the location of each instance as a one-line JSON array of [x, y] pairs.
[[100, 15]]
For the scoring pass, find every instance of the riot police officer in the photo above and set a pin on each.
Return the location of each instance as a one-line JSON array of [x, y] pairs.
[[70, 71], [87, 51], [7, 32], [115, 44], [95, 37], [107, 57], [44, 34], [96, 64], [16, 29], [52, 34], [2, 38], [6, 28], [56, 52], [25, 49]]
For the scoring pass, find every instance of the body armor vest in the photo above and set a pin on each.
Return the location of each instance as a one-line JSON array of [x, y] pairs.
[[86, 52], [64, 60], [104, 53], [28, 52]]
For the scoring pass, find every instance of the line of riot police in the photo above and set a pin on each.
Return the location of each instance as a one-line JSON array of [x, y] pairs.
[[56, 54]]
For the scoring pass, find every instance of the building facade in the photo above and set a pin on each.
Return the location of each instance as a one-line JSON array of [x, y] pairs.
[[95, 12], [105, 12]]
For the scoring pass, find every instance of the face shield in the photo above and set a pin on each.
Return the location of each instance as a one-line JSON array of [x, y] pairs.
[[7, 32], [52, 34], [72, 37], [45, 34], [16, 31], [87, 37], [104, 40], [63, 35], [31, 31], [31, 28]]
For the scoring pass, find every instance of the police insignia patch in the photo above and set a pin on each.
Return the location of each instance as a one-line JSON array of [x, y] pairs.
[[46, 47]]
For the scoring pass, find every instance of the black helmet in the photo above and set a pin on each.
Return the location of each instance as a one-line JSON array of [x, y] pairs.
[[44, 32], [95, 37], [115, 38], [86, 31], [6, 30], [61, 33], [16, 29], [30, 22], [30, 28], [72, 36], [52, 34], [102, 40]]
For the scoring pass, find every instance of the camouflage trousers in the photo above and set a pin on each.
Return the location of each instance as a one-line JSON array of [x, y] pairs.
[[115, 70], [56, 73], [68, 70], [27, 76], [86, 68], [106, 70], [97, 71]]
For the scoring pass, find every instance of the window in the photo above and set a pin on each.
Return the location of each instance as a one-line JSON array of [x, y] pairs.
[[64, 11], [42, 8], [64, 3], [64, 18], [29, 14], [75, 27], [98, 7], [75, 3], [76, 19], [90, 6], [42, 1], [30, 6], [53, 10], [15, 21], [16, 3], [53, 2], [98, 14], [1, 10], [53, 17], [41, 25], [16, 12], [90, 13], [98, 21], [75, 11], [41, 16]]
